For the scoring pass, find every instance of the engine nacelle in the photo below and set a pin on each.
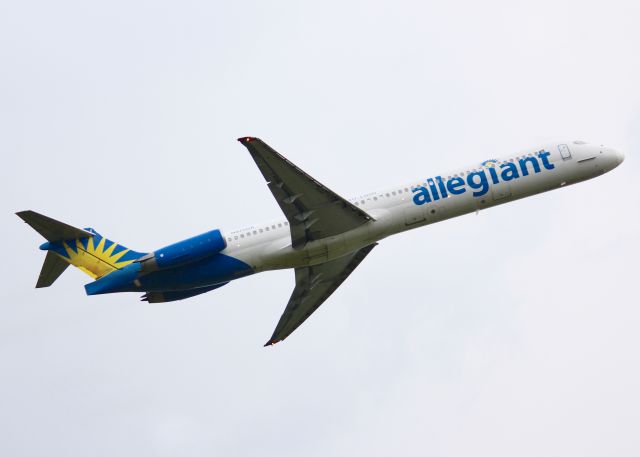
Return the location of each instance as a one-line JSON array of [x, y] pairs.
[[184, 252]]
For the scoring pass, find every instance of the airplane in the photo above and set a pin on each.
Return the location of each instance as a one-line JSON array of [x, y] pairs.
[[323, 236]]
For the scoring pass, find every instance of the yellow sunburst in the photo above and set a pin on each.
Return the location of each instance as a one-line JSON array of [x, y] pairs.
[[96, 261]]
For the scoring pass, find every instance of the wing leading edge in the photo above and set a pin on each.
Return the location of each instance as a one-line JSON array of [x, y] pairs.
[[313, 286]]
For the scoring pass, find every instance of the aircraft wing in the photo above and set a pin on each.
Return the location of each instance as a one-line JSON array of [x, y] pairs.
[[313, 286], [313, 210]]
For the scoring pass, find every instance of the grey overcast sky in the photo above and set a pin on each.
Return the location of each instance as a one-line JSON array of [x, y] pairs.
[[514, 332]]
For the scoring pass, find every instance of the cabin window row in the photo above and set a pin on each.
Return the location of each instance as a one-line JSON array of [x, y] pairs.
[[257, 231], [387, 194], [475, 170]]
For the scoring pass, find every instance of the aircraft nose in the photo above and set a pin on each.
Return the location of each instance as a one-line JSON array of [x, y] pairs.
[[616, 155]]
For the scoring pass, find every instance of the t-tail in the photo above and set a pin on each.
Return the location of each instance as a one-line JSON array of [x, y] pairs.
[[82, 248]]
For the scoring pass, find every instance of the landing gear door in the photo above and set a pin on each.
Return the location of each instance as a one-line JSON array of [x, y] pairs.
[[565, 153]]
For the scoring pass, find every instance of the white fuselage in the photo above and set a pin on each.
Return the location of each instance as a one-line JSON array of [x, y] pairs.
[[422, 202]]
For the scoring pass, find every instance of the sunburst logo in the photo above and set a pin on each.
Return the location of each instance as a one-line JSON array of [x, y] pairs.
[[96, 256], [491, 163]]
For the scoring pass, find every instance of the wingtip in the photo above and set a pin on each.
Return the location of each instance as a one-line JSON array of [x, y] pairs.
[[246, 139], [21, 214], [271, 342]]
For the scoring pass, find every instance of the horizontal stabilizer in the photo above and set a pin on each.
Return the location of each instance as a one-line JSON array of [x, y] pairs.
[[51, 229], [52, 268]]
